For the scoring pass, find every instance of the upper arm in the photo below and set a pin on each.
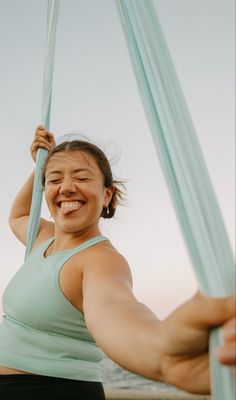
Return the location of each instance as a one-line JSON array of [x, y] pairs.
[[119, 324], [106, 280], [19, 227]]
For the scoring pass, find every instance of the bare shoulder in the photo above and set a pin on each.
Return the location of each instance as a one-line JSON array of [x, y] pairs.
[[107, 280], [105, 261]]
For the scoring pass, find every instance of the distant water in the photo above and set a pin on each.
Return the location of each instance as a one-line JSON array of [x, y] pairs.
[[114, 377]]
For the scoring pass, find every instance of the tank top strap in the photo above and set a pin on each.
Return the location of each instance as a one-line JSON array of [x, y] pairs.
[[42, 247], [85, 245]]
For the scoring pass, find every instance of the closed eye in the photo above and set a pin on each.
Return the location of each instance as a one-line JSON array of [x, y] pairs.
[[54, 181], [78, 179], [81, 179]]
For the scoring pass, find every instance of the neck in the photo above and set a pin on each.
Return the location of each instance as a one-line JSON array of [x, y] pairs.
[[64, 240]]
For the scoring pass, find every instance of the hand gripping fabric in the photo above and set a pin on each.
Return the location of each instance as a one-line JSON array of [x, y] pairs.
[[52, 17], [183, 164]]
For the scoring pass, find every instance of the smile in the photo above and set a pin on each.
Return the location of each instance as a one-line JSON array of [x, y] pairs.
[[70, 206]]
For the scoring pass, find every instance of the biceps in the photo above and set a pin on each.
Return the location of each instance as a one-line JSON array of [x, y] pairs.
[[100, 296]]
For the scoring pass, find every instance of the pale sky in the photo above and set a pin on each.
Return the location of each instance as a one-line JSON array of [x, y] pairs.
[[95, 93]]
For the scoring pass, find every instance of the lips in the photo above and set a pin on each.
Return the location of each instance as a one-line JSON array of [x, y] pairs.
[[70, 206]]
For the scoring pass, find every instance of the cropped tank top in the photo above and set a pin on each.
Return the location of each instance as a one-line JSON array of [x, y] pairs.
[[41, 331]]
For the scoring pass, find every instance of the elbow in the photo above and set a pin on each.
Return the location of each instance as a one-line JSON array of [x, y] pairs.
[[11, 222], [12, 218], [12, 225]]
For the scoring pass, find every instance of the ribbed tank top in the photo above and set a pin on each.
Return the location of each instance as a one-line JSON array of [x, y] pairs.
[[41, 331]]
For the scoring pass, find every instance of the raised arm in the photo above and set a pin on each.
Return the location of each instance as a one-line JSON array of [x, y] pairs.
[[20, 210], [174, 350]]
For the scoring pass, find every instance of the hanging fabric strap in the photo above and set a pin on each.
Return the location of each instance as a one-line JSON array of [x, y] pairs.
[[182, 162], [35, 210]]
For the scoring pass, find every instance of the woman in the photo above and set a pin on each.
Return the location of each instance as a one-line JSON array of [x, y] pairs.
[[74, 293]]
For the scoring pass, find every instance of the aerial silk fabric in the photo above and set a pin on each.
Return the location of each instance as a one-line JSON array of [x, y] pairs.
[[183, 164], [178, 151], [35, 211]]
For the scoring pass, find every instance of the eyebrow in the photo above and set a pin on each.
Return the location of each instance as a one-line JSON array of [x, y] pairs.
[[74, 171]]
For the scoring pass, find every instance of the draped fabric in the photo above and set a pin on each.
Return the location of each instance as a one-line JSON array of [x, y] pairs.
[[52, 18], [179, 153], [182, 163]]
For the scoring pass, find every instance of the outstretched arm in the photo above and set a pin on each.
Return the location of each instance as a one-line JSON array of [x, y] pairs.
[[124, 328], [174, 350]]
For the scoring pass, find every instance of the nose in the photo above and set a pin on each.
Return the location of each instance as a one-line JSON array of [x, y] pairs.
[[67, 186]]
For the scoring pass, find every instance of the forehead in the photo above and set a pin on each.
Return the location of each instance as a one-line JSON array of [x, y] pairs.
[[72, 159]]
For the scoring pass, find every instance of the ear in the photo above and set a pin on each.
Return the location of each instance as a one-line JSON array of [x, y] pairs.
[[108, 193]]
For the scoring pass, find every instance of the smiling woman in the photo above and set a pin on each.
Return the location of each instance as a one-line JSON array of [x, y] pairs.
[[93, 164], [72, 299]]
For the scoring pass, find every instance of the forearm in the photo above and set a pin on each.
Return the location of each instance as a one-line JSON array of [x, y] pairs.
[[128, 333], [22, 202]]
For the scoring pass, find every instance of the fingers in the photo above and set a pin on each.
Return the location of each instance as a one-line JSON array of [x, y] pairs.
[[211, 312], [42, 133], [42, 139], [226, 354], [229, 330]]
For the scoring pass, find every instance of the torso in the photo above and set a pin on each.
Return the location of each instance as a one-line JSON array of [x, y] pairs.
[[71, 276]]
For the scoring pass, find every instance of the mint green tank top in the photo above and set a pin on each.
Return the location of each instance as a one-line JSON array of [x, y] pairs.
[[41, 331]]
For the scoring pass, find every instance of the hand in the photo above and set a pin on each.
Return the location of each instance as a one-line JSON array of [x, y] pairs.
[[42, 139], [226, 353], [184, 337]]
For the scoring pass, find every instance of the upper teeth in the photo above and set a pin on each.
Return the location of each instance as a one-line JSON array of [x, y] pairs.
[[69, 203]]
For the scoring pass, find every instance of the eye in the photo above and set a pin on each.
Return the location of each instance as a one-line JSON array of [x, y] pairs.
[[81, 179], [54, 181]]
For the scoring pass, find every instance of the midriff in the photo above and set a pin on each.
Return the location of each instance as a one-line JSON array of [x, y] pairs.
[[9, 371]]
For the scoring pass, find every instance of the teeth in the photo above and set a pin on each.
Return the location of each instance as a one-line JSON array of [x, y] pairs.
[[68, 206], [71, 204]]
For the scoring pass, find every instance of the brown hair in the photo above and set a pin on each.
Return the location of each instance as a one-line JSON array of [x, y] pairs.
[[103, 164]]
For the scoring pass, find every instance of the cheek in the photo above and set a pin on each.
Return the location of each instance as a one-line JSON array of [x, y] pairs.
[[96, 191], [48, 194], [100, 194]]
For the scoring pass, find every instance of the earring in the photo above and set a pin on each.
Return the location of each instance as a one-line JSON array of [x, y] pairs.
[[108, 211]]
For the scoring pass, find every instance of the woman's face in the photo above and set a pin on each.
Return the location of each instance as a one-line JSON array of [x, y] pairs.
[[74, 191]]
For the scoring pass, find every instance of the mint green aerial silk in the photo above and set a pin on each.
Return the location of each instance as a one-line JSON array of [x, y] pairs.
[[179, 153], [35, 211], [182, 163]]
